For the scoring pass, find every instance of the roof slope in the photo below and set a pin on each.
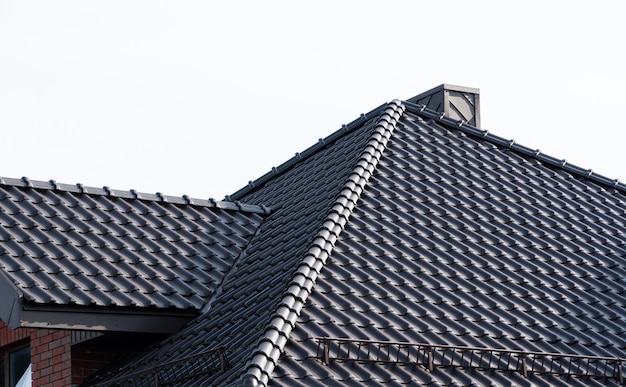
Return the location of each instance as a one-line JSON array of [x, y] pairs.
[[260, 299], [424, 229], [458, 240], [73, 246]]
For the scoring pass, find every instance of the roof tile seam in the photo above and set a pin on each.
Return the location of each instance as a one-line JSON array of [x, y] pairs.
[[270, 345], [158, 197], [536, 154]]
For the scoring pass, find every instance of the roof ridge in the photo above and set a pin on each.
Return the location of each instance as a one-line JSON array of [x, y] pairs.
[[52, 185], [299, 156], [424, 111], [264, 357]]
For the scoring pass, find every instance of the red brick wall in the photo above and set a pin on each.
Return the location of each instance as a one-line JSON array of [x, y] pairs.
[[57, 362], [10, 336], [50, 351]]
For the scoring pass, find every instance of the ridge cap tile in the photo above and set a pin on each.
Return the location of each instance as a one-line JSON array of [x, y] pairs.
[[474, 280], [83, 247], [562, 164], [52, 185], [320, 249]]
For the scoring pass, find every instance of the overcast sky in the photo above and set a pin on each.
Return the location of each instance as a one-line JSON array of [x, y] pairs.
[[199, 97]]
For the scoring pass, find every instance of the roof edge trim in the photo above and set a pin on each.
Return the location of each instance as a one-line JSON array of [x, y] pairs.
[[276, 171], [93, 319], [264, 357], [52, 185], [536, 154]]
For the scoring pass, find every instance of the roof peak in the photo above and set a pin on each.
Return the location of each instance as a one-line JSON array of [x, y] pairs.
[[78, 188], [259, 368]]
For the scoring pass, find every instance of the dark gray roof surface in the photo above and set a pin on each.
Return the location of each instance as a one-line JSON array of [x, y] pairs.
[[457, 241], [77, 246], [409, 226], [261, 296]]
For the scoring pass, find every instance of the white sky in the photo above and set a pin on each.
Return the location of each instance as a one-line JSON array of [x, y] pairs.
[[199, 97]]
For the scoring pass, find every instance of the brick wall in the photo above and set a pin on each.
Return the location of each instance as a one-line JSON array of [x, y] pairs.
[[11, 336], [50, 351], [62, 358]]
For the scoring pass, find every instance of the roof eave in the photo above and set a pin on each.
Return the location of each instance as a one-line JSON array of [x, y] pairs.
[[102, 319]]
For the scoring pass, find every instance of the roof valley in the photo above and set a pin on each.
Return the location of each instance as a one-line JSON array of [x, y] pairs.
[[218, 290], [264, 356]]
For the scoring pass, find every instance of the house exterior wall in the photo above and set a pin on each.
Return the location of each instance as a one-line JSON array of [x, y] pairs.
[[50, 353], [12, 336], [55, 361], [51, 357]]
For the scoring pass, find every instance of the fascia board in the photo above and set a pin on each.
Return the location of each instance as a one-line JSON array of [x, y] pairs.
[[117, 321]]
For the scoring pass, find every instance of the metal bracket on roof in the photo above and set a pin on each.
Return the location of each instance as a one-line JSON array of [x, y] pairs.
[[177, 371], [436, 355]]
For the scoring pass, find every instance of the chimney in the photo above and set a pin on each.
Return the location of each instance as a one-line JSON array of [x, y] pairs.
[[457, 102]]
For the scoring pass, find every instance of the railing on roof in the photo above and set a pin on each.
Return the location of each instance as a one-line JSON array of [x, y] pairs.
[[434, 355], [174, 372]]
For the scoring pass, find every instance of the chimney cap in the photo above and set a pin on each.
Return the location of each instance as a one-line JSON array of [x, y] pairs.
[[457, 102]]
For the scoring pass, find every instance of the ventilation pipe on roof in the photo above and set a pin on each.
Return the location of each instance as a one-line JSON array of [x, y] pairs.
[[457, 102]]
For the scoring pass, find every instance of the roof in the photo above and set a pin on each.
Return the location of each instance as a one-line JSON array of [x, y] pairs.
[[410, 232], [66, 250], [462, 241]]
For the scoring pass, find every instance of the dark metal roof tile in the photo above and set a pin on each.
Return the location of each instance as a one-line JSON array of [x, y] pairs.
[[90, 240]]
